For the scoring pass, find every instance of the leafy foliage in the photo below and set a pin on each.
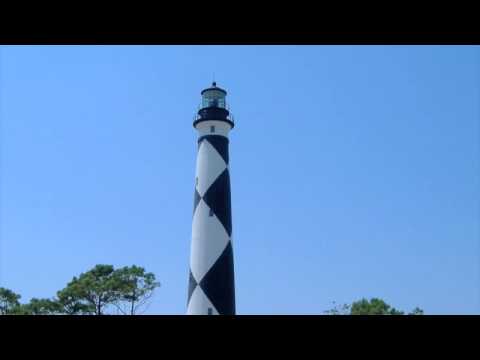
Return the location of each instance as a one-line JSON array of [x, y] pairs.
[[94, 292], [373, 306], [136, 288], [339, 309], [9, 301], [91, 292], [42, 307], [127, 289], [416, 311], [71, 302]]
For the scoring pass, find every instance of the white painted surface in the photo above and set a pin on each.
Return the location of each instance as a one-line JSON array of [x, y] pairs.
[[221, 128], [199, 304], [210, 165], [209, 239]]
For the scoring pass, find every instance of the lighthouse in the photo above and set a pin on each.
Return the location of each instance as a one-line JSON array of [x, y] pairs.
[[211, 289]]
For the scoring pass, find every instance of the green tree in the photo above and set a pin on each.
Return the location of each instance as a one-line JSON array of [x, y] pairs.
[[416, 311], [339, 309], [92, 292], [373, 306], [135, 288], [71, 302], [20, 309], [42, 307], [9, 301]]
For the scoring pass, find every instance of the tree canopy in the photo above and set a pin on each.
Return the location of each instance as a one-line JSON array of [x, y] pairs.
[[98, 291], [8, 301], [92, 291], [374, 306], [136, 288]]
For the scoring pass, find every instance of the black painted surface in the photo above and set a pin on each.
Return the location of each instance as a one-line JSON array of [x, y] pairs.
[[219, 142], [217, 197], [196, 200], [219, 283], [192, 284], [213, 88], [213, 113]]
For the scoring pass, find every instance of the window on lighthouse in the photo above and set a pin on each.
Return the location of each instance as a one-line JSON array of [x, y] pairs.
[[211, 212], [212, 129]]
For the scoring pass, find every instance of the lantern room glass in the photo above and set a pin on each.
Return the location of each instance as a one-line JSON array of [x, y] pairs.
[[213, 98]]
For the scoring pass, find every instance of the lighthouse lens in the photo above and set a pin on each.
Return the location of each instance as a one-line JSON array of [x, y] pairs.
[[213, 98]]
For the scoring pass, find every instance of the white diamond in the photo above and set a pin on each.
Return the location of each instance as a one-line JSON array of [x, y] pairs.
[[199, 303], [209, 166], [209, 239]]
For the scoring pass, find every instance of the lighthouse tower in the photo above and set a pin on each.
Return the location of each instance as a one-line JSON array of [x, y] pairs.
[[211, 284]]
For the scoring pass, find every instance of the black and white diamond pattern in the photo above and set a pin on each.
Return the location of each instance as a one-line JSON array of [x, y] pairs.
[[211, 284]]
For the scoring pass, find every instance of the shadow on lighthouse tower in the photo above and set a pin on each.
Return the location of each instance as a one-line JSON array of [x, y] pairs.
[[211, 284]]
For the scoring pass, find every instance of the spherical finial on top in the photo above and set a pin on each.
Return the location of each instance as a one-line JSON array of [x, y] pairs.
[[214, 84]]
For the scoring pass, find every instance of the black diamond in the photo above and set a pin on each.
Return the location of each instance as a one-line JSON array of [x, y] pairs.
[[192, 284], [220, 143], [217, 198], [199, 142], [196, 200], [218, 283]]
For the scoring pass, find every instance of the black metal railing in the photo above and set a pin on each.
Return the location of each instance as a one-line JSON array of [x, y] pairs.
[[213, 113]]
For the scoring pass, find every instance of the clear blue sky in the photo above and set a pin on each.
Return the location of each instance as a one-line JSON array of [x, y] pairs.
[[355, 170]]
